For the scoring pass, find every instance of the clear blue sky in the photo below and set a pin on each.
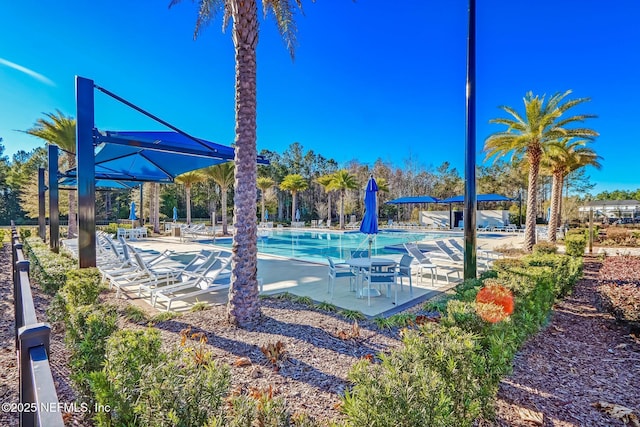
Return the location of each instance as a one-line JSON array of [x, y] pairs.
[[369, 79]]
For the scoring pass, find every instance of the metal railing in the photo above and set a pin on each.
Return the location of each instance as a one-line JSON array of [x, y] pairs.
[[38, 404]]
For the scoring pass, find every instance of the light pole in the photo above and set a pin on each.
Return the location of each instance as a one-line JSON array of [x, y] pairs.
[[470, 202]]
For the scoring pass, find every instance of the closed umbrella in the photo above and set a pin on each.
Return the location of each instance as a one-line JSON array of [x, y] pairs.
[[297, 214], [266, 215], [175, 214], [369, 224], [132, 213]]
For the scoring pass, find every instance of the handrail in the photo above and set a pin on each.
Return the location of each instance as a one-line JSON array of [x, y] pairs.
[[38, 404]]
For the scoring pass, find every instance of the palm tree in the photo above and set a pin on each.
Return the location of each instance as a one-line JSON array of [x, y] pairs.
[[243, 305], [188, 179], [563, 157], [264, 183], [530, 135], [294, 183], [325, 182], [60, 130], [222, 174], [343, 181]]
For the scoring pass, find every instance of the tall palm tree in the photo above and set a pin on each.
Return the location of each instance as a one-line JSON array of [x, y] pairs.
[[60, 130], [222, 174], [343, 181], [243, 305], [563, 157], [530, 135], [264, 183], [188, 179], [294, 183], [325, 182]]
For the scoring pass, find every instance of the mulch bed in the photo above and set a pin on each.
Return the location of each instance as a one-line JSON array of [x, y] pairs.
[[582, 357], [580, 362]]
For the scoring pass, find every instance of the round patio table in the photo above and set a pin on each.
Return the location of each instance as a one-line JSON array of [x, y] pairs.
[[362, 264]]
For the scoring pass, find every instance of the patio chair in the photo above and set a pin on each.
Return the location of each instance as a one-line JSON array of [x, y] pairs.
[[485, 255], [338, 271], [147, 273], [198, 284], [404, 270], [380, 277], [426, 262], [360, 253]]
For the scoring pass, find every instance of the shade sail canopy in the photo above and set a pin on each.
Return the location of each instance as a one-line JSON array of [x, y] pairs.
[[157, 156], [413, 199], [123, 158], [71, 181], [480, 198]]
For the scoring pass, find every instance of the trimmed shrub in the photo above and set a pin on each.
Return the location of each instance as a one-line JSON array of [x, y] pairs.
[[88, 328], [575, 245], [47, 268], [544, 248], [433, 380], [127, 353]]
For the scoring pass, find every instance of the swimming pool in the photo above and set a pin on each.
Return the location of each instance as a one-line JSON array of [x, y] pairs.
[[316, 246]]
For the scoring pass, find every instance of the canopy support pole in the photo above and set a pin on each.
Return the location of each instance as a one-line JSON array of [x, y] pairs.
[[86, 173], [54, 211], [470, 203], [42, 222]]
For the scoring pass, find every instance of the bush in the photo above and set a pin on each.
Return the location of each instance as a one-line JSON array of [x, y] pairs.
[[88, 328], [575, 245], [543, 248], [619, 236], [127, 355], [47, 268], [144, 386], [433, 380]]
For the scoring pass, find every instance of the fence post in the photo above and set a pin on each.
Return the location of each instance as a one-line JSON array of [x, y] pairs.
[[29, 338]]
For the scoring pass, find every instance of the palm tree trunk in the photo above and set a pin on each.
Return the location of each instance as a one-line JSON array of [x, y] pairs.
[[556, 189], [293, 205], [156, 207], [225, 220], [187, 190], [243, 307], [532, 196], [342, 210]]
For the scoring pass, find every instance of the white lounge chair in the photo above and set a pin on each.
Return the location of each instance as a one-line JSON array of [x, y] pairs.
[[426, 262], [196, 284]]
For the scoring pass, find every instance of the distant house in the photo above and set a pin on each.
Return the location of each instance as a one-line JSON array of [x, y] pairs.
[[612, 208]]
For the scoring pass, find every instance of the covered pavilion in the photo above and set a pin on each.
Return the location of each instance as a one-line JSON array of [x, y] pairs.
[[117, 160]]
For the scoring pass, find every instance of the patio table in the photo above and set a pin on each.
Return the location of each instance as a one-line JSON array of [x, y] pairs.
[[362, 264]]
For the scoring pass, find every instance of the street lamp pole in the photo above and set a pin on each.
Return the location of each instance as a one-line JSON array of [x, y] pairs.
[[470, 201]]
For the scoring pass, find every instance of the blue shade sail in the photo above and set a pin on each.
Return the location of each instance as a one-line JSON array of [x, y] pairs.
[[158, 156], [413, 199], [480, 198]]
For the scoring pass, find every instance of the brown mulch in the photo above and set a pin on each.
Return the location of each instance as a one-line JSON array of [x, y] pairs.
[[581, 361], [582, 357]]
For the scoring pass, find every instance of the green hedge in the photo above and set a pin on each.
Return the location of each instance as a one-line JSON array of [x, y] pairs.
[[448, 374], [575, 244], [47, 268]]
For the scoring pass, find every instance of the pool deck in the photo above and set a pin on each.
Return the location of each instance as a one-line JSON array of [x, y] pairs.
[[308, 279]]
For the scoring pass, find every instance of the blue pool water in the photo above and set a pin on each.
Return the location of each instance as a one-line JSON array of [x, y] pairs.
[[318, 245]]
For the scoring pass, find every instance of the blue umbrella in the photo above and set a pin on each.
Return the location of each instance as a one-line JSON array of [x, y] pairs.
[[132, 213], [369, 224], [266, 215], [297, 214], [175, 214]]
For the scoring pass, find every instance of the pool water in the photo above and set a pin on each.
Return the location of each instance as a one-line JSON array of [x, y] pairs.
[[316, 246]]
